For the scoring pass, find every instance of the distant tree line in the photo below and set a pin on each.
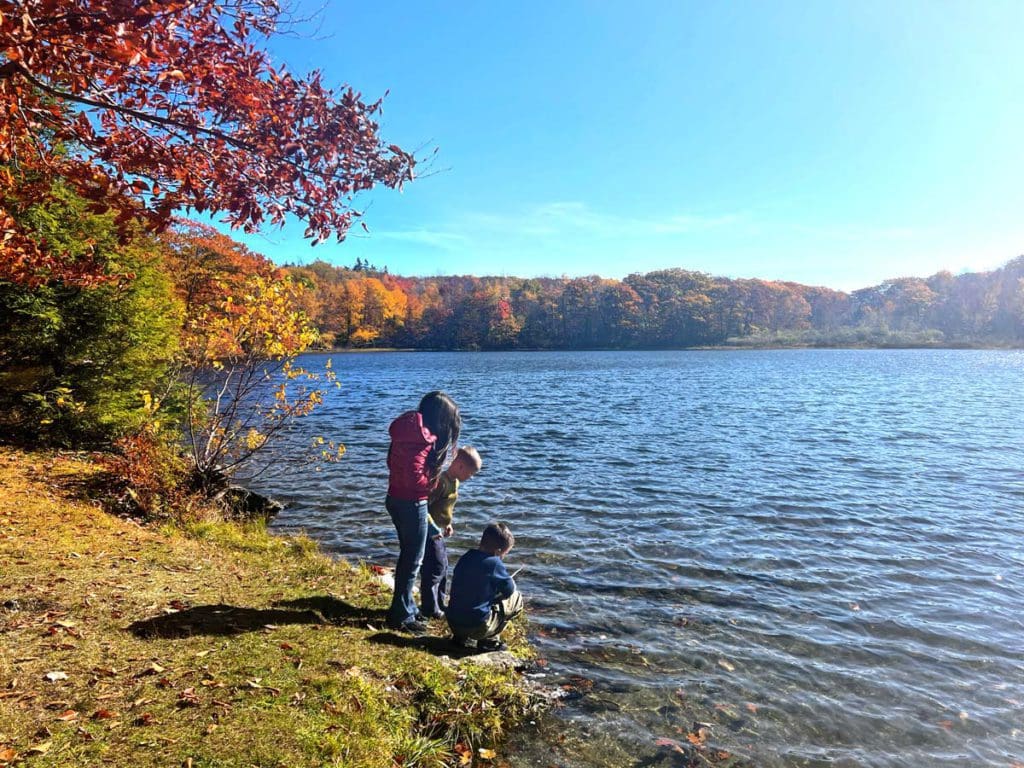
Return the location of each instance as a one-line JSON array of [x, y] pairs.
[[367, 307]]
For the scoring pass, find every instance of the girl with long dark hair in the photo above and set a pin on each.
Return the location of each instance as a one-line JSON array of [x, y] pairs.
[[422, 441]]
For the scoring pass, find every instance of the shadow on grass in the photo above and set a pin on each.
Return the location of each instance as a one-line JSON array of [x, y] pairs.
[[102, 487], [219, 620], [336, 611], [432, 644]]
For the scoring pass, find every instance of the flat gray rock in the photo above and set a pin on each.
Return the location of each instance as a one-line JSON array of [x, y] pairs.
[[495, 660]]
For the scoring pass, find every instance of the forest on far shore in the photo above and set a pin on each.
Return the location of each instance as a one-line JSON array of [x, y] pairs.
[[367, 307]]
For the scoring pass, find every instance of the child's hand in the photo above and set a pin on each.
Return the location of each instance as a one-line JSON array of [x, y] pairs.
[[448, 530]]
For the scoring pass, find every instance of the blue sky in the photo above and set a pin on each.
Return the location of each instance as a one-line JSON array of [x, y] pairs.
[[823, 142]]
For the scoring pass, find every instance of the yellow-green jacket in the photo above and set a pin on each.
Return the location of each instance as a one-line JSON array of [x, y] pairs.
[[441, 505]]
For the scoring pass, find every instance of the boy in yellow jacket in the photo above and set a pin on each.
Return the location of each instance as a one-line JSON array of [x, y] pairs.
[[434, 571]]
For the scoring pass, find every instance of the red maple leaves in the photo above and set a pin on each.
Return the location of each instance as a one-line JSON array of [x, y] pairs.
[[147, 107]]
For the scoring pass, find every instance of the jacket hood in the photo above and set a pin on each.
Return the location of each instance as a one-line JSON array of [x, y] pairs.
[[409, 428]]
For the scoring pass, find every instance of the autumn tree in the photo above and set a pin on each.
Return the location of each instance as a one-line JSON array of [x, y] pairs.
[[148, 107], [208, 265], [666, 308], [243, 326], [243, 388]]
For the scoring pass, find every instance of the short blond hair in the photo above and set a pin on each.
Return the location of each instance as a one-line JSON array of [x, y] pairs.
[[470, 454]]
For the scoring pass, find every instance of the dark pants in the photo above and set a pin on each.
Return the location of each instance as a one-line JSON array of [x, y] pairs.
[[410, 519], [434, 577], [502, 613]]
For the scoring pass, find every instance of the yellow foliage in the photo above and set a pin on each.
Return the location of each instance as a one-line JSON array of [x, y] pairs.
[[253, 439], [364, 335]]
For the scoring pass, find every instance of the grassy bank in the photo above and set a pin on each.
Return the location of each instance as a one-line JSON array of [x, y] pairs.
[[214, 645]]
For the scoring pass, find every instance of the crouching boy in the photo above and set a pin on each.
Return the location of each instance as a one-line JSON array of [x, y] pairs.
[[483, 596]]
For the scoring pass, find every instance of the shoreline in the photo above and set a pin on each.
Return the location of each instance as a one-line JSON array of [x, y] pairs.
[[208, 642], [705, 348]]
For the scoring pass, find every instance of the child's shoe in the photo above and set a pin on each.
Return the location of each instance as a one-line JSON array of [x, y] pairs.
[[490, 646]]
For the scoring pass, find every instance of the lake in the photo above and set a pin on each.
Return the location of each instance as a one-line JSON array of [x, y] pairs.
[[818, 553]]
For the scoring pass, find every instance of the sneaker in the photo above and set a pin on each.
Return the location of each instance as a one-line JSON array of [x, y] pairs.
[[490, 646], [413, 627]]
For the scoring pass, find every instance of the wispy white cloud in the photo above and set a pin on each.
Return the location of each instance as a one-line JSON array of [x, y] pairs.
[[580, 218], [552, 221], [434, 238]]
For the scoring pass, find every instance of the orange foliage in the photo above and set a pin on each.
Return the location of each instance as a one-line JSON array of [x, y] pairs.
[[171, 105]]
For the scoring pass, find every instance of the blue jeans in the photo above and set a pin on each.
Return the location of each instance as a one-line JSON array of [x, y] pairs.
[[410, 519], [434, 577]]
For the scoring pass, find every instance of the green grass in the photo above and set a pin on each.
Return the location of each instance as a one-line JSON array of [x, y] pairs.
[[213, 643]]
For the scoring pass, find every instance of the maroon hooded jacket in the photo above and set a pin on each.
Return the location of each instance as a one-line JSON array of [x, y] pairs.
[[411, 441]]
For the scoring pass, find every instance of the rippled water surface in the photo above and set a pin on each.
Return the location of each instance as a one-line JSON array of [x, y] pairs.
[[819, 553]]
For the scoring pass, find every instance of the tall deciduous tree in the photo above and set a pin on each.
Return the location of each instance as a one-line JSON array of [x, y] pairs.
[[152, 106]]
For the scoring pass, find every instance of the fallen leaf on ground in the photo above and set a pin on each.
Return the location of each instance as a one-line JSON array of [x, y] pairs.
[[104, 714], [7, 755], [464, 752], [487, 754], [55, 676], [188, 698], [727, 666], [40, 749], [68, 715], [698, 737], [671, 744], [151, 669]]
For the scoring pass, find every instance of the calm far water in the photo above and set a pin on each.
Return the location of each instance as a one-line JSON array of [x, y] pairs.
[[819, 553]]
